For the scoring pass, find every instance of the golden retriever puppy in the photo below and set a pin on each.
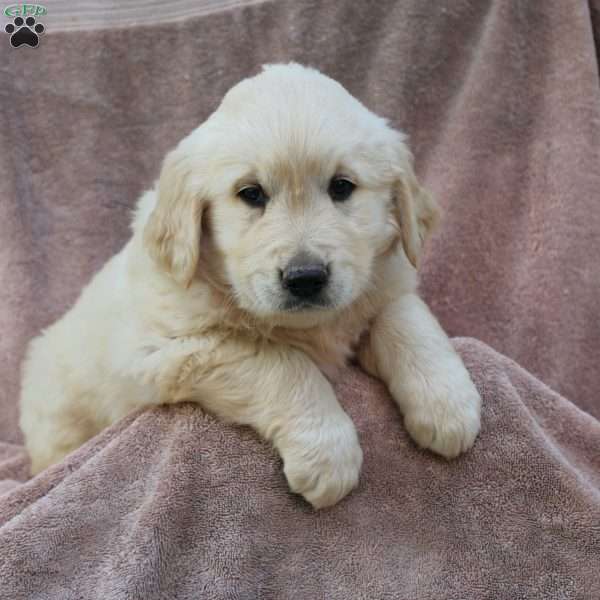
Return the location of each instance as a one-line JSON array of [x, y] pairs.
[[282, 237]]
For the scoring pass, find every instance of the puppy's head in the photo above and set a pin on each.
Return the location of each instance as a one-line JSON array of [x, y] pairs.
[[295, 189]]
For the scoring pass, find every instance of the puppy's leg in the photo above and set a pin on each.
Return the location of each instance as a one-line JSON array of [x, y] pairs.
[[56, 415], [279, 392], [49, 439], [408, 350]]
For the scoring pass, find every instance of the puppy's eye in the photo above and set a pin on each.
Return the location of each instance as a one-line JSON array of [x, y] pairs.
[[253, 195], [340, 189]]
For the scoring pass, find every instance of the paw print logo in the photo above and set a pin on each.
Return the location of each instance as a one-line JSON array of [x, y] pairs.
[[24, 32]]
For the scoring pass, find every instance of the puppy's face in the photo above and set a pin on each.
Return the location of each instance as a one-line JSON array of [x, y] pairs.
[[295, 188]]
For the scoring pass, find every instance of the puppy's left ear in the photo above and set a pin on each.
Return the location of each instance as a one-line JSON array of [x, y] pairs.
[[415, 210], [172, 233]]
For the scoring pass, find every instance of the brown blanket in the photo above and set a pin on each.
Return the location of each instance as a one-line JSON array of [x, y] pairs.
[[502, 102]]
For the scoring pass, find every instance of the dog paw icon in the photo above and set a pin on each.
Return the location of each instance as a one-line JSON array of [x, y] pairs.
[[24, 32]]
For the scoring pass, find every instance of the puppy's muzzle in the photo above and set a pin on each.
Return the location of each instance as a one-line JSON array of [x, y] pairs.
[[304, 277]]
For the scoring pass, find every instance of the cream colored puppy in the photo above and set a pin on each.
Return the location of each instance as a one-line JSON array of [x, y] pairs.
[[282, 229]]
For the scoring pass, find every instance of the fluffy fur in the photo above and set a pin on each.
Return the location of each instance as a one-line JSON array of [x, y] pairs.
[[193, 308]]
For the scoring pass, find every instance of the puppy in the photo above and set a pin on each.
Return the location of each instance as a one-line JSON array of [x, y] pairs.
[[282, 238]]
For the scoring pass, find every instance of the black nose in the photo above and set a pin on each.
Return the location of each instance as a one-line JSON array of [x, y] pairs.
[[304, 279]]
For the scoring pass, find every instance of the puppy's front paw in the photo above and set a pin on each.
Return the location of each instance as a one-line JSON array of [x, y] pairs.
[[446, 419], [323, 463]]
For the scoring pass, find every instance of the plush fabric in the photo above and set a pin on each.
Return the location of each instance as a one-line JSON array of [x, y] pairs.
[[173, 504], [502, 103]]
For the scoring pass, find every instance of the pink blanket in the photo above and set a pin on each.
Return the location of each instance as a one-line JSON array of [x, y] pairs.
[[502, 102]]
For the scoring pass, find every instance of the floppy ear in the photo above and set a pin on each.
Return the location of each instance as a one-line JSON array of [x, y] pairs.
[[172, 233], [415, 211]]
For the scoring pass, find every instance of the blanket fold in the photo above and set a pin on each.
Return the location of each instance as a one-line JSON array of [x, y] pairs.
[[171, 503]]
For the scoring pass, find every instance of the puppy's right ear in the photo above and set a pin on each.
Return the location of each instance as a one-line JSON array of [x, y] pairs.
[[172, 233]]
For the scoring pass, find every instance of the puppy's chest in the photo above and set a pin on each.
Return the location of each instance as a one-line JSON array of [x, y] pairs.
[[330, 347]]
